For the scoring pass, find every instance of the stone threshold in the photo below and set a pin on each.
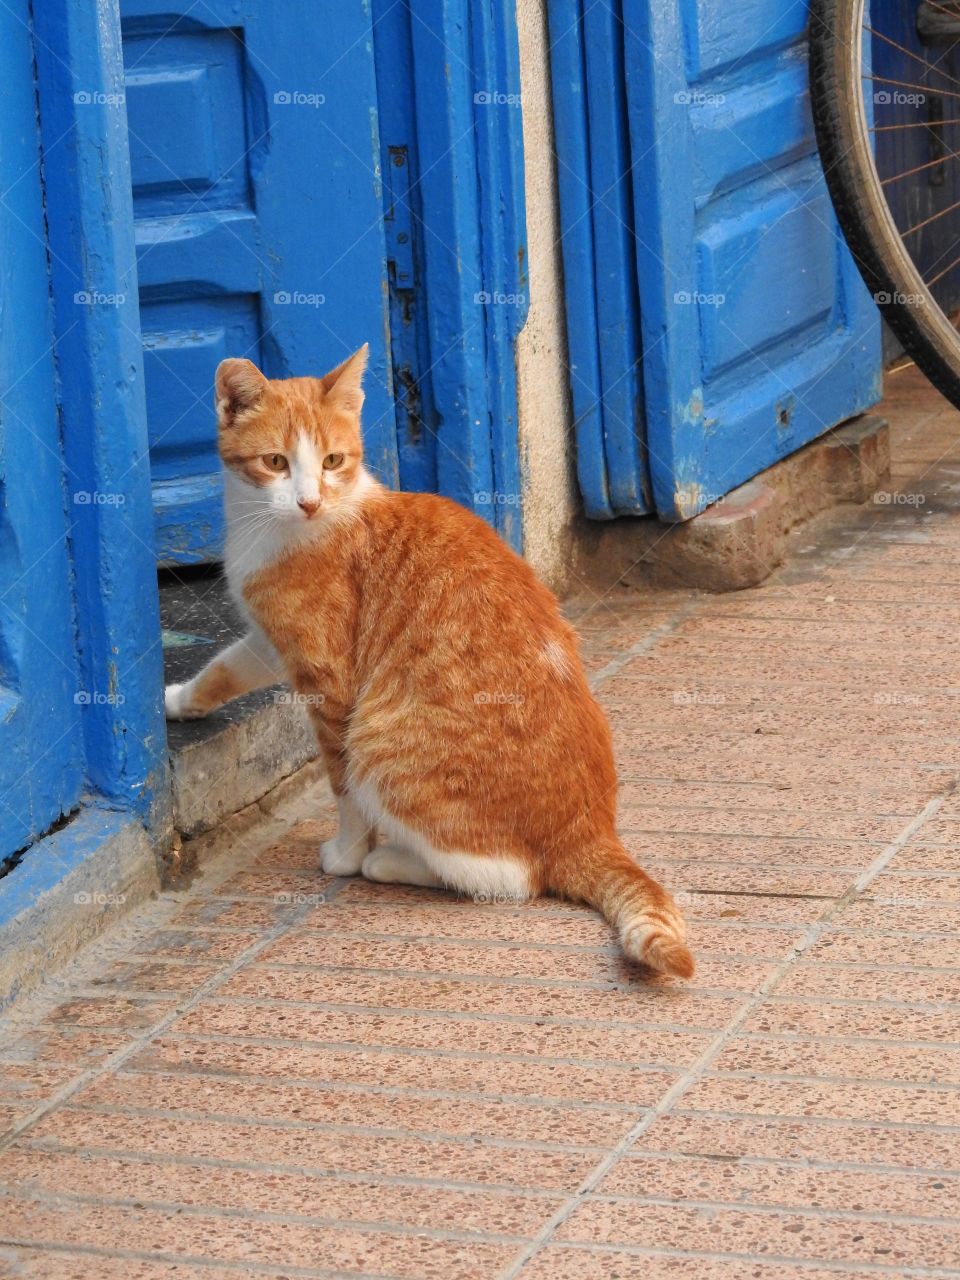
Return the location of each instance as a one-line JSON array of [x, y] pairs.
[[741, 539]]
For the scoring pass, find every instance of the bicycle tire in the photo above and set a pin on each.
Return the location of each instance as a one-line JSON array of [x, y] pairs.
[[852, 179]]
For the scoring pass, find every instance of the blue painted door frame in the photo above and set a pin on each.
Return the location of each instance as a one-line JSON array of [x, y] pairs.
[[755, 334], [40, 740], [599, 256], [81, 457], [452, 156]]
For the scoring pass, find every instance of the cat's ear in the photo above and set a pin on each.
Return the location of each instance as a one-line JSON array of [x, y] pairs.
[[344, 384], [239, 386]]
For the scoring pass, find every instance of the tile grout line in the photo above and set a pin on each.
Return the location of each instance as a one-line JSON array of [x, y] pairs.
[[231, 1267], [511, 1143], [706, 1060], [837, 1267], [804, 1165], [139, 1041], [397, 1228]]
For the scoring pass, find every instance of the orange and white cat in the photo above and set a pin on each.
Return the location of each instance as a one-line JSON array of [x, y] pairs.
[[446, 691]]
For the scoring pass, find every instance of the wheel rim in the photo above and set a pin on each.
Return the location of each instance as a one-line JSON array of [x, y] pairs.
[[905, 276]]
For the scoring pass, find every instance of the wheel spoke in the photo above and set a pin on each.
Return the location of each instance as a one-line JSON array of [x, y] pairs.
[[915, 56], [933, 218], [915, 124], [919, 168], [940, 274], [924, 88]]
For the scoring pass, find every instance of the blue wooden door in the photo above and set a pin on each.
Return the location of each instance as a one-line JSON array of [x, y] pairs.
[[756, 333], [256, 182], [40, 704]]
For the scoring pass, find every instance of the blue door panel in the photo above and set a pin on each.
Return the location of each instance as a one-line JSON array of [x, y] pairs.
[[599, 256], [257, 202], [181, 341], [736, 264], [758, 333], [720, 36], [41, 765], [618, 319], [185, 113], [571, 133]]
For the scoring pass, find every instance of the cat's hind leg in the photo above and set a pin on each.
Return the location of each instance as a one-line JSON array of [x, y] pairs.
[[392, 864], [409, 858], [485, 877]]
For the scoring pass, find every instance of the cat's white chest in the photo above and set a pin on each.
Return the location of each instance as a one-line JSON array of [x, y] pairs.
[[255, 540]]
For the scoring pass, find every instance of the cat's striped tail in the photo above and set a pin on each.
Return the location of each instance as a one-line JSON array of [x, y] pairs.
[[647, 920]]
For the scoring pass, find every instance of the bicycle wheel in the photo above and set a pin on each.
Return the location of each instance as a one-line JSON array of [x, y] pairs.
[[886, 108]]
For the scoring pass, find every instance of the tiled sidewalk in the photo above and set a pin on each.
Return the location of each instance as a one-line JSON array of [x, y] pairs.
[[277, 1074]]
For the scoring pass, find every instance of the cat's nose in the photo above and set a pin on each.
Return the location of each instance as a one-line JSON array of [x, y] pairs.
[[309, 506]]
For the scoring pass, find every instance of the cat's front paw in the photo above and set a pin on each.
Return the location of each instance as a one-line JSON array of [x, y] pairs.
[[177, 705], [337, 861]]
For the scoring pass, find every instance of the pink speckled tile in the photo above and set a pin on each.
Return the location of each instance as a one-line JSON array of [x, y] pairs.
[[853, 1020], [734, 1182], [122, 1013], [644, 1000], [880, 1104], [567, 1262], [247, 1239], [640, 1042], [29, 1264], [297, 1194], [820, 1237], [887, 948], [198, 944], [856, 982], [373, 1155], [507, 1077], [187, 1094], [27, 1084], [795, 1138], [852, 1059], [160, 977], [61, 1045]]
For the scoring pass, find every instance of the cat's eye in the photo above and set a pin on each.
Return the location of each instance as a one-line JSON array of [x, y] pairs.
[[274, 462], [332, 461]]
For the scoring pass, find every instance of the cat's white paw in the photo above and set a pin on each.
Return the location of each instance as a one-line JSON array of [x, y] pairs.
[[336, 861], [176, 703]]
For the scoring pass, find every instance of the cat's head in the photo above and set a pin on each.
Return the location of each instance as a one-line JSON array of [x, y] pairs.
[[294, 442]]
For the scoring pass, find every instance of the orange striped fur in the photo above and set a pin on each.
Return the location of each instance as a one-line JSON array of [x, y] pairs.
[[447, 691]]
